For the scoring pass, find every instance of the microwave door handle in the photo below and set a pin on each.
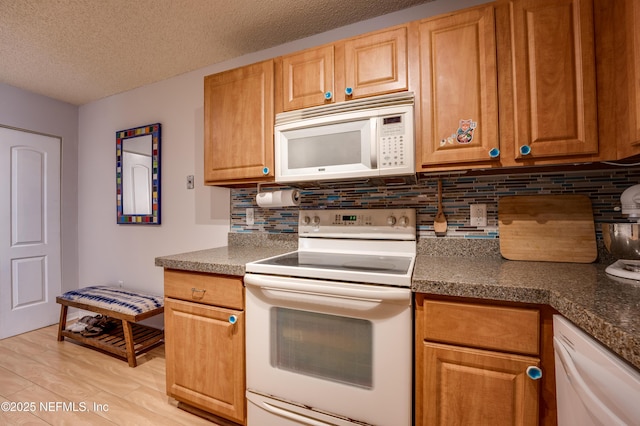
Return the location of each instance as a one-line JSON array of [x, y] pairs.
[[373, 154]]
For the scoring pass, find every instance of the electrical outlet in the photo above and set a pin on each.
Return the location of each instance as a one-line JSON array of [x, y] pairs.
[[190, 182], [478, 214], [249, 215], [120, 283]]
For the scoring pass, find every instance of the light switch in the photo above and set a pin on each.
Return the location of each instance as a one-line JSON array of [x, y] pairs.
[[190, 182]]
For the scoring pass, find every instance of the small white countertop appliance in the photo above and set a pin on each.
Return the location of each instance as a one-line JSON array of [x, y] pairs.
[[622, 240]]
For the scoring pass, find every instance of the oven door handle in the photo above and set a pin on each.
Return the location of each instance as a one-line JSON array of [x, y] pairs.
[[317, 288]]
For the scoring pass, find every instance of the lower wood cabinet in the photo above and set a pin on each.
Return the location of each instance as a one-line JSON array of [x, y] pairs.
[[468, 386], [204, 342], [472, 361]]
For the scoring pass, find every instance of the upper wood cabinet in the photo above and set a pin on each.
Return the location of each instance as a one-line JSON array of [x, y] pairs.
[[631, 16], [307, 77], [458, 120], [374, 64], [618, 53], [547, 80], [238, 125], [369, 65]]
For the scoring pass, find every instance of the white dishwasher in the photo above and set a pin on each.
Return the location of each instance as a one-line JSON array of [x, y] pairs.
[[593, 386]]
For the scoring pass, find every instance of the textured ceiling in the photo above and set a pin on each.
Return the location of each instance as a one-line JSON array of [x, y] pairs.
[[78, 51]]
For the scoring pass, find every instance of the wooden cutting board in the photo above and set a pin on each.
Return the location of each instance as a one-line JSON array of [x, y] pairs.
[[549, 228]]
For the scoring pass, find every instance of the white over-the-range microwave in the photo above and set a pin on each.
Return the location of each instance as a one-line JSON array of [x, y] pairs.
[[367, 138]]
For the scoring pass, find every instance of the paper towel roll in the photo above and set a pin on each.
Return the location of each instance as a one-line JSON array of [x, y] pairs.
[[288, 198]]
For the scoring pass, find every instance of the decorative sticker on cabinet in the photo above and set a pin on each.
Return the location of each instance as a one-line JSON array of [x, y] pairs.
[[464, 134]]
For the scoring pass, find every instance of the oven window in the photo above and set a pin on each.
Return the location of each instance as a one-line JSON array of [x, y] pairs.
[[325, 150], [330, 347]]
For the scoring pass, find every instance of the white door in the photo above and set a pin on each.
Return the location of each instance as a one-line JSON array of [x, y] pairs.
[[30, 269]]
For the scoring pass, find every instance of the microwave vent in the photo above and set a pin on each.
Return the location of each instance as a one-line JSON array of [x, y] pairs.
[[383, 101], [388, 181]]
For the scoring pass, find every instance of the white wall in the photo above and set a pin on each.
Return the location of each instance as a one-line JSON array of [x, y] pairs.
[[191, 219], [28, 111]]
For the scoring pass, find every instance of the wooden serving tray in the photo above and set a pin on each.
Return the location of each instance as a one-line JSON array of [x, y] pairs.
[[548, 228]]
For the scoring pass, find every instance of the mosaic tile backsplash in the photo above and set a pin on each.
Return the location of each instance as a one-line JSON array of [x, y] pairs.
[[603, 187]]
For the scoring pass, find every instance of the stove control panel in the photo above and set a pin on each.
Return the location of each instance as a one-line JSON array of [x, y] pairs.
[[358, 223]]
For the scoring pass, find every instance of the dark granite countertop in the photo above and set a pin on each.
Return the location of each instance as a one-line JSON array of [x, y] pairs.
[[222, 260], [606, 308]]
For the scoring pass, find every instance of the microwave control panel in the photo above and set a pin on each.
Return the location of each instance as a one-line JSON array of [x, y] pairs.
[[392, 142]]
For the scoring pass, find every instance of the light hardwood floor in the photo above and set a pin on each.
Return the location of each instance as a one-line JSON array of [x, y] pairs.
[[44, 376]]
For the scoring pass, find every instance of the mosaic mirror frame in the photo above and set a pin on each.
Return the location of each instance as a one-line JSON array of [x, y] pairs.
[[138, 175]]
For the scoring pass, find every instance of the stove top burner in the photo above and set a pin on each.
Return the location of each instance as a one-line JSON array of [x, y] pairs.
[[357, 262]]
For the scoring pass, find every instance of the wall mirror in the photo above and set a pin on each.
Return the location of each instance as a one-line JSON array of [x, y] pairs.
[[138, 175]]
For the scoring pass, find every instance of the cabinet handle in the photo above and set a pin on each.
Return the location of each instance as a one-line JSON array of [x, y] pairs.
[[348, 91], [525, 150], [197, 293], [265, 170], [328, 95], [233, 319], [494, 153], [534, 372]]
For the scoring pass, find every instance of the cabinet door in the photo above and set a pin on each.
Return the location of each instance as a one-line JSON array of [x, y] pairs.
[[238, 125], [375, 64], [307, 78], [458, 80], [553, 81], [625, 73], [464, 386], [205, 357]]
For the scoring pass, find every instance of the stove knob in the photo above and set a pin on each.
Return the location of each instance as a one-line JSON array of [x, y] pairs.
[[391, 220], [404, 221], [315, 220], [306, 220]]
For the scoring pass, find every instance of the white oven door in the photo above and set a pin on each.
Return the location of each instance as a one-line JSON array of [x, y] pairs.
[[344, 349]]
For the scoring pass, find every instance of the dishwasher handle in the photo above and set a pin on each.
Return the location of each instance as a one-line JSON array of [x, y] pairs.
[[590, 401]]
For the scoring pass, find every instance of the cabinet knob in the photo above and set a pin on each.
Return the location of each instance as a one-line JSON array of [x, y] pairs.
[[494, 153], [233, 319], [348, 91], [328, 95], [525, 150], [534, 372], [265, 170]]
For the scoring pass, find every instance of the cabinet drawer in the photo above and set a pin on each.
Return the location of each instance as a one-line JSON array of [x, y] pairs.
[[483, 326], [210, 289]]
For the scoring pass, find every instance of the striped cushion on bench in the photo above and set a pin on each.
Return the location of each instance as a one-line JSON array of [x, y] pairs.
[[115, 299]]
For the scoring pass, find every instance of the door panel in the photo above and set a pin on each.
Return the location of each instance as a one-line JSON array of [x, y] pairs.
[[459, 88], [307, 76], [376, 64], [476, 387], [554, 77], [30, 261]]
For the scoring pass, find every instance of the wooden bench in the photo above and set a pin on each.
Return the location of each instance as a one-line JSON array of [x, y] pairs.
[[124, 338]]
